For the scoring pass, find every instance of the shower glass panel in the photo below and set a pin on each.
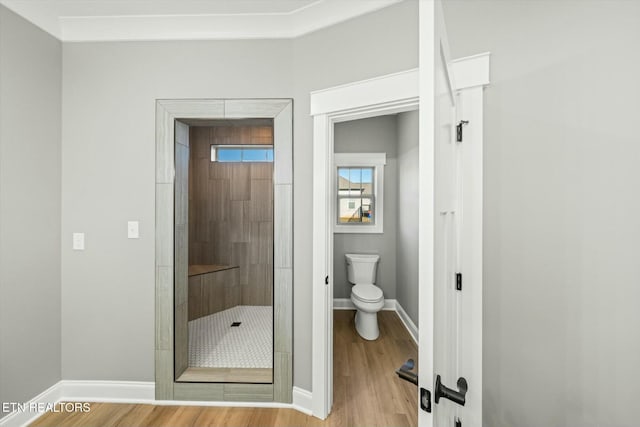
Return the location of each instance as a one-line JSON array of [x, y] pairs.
[[229, 295]]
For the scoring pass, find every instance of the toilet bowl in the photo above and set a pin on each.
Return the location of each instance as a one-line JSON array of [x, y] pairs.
[[368, 300], [366, 297]]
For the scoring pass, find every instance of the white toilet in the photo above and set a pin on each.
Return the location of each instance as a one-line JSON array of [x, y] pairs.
[[367, 297]]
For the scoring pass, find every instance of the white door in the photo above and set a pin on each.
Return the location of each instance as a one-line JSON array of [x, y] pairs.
[[446, 347]]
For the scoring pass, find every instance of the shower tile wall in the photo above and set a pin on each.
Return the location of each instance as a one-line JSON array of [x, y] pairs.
[[231, 209]]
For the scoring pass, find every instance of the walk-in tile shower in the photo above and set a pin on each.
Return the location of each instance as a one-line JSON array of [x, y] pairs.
[[230, 251]]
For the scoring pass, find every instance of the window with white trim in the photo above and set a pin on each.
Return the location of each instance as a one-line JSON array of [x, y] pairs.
[[358, 186]]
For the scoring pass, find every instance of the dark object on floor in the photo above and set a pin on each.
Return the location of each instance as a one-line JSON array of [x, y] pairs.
[[235, 324]]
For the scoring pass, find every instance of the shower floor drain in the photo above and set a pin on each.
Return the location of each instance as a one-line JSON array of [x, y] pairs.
[[235, 324]]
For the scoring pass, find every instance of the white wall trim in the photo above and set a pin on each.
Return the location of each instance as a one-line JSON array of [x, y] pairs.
[[302, 400], [389, 305], [408, 323], [384, 91], [360, 159], [345, 304], [19, 418], [133, 392], [117, 24], [471, 254], [472, 71], [108, 391]]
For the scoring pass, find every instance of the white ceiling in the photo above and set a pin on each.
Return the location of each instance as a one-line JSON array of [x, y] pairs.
[[102, 20]]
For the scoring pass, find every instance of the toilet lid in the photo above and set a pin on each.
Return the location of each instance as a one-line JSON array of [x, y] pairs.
[[367, 292]]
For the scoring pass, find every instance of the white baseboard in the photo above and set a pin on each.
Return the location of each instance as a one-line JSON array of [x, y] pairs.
[[26, 416], [408, 323], [302, 400], [108, 391], [346, 304], [130, 392], [343, 304], [389, 305]]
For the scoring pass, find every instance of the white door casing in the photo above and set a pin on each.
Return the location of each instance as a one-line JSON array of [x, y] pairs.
[[471, 252], [387, 95]]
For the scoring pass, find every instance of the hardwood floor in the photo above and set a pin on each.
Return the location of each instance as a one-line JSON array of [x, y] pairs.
[[367, 391]]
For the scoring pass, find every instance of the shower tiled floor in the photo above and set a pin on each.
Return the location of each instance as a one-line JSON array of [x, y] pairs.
[[214, 343]]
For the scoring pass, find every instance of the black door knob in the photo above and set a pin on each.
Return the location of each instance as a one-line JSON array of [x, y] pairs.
[[457, 396]]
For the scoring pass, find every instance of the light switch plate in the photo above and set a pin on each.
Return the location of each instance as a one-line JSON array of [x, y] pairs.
[[78, 241], [133, 229]]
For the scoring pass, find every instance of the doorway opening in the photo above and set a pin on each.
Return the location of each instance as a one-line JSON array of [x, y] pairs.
[[230, 251], [375, 267], [382, 96]]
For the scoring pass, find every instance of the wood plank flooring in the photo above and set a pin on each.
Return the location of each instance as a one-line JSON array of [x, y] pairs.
[[367, 391]]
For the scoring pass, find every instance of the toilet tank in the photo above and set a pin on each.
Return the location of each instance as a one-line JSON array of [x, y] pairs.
[[361, 268]]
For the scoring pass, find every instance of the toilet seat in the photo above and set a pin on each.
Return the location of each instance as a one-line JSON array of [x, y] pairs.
[[367, 292]]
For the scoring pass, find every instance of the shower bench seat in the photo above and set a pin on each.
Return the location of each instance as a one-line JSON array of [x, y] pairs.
[[195, 270], [212, 288]]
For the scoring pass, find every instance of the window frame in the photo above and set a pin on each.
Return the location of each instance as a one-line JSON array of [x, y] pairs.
[[242, 147], [377, 161], [361, 195]]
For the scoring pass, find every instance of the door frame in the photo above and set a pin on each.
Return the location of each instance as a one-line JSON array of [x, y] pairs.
[[389, 94], [394, 93], [167, 112]]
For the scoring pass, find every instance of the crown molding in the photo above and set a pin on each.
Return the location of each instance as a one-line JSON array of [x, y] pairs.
[[223, 26]]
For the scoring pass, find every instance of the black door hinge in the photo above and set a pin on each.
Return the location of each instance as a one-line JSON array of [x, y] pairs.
[[326, 280], [457, 423], [459, 281], [425, 400], [459, 129]]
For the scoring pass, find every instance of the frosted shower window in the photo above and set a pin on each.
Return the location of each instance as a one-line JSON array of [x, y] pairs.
[[241, 154]]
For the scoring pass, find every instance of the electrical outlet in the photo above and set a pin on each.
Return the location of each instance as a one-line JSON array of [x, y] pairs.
[[133, 230], [78, 241]]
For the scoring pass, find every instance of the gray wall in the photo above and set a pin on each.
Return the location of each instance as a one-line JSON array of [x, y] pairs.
[[374, 135], [109, 91], [407, 216], [30, 97], [562, 240], [396, 135], [108, 161]]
